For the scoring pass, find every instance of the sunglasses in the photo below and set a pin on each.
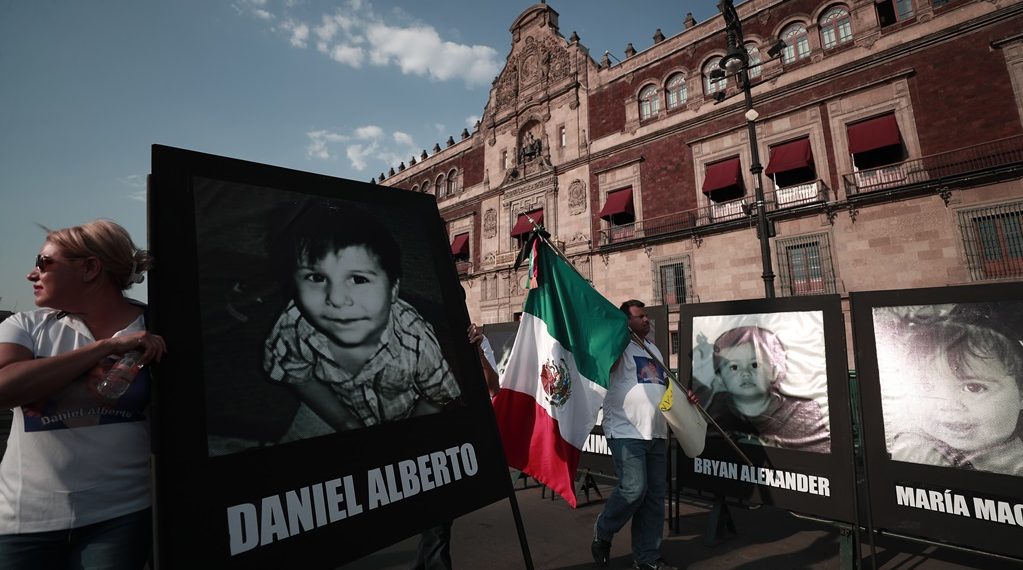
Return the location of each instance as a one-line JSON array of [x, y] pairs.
[[44, 261]]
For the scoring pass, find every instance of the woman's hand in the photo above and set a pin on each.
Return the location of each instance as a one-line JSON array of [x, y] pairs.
[[152, 346]]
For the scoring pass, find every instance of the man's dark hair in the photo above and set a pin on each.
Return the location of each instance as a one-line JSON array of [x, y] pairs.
[[323, 227], [629, 304]]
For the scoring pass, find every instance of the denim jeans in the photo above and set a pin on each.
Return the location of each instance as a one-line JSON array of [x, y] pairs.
[[641, 467], [121, 543]]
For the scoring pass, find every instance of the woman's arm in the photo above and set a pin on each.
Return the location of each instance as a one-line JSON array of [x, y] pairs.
[[24, 379], [322, 400]]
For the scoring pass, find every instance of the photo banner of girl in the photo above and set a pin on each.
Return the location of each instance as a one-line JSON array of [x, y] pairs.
[[941, 376], [773, 375]]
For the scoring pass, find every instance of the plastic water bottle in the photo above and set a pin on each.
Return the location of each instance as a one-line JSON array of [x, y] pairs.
[[119, 378]]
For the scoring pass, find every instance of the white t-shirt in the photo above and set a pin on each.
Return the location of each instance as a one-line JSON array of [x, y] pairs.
[[637, 386], [75, 458]]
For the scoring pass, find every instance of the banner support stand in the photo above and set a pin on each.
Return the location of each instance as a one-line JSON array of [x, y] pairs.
[[720, 523]]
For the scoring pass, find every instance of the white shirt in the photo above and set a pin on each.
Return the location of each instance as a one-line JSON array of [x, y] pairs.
[[637, 386], [74, 458]]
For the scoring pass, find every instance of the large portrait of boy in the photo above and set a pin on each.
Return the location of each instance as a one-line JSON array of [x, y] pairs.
[[325, 386]]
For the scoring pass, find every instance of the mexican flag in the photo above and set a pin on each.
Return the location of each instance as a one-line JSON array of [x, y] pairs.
[[558, 372]]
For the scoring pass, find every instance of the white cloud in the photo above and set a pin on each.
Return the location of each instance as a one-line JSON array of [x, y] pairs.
[[441, 129], [369, 132], [255, 8], [133, 181], [140, 196], [471, 120], [358, 154], [404, 139], [299, 33], [318, 143], [354, 34], [350, 55], [363, 145]]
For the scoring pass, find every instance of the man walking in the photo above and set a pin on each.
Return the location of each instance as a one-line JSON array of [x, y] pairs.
[[636, 434]]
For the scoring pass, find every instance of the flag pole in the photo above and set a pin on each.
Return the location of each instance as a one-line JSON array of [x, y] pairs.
[[539, 232]]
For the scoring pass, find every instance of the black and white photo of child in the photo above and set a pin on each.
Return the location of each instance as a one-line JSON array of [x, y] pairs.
[[324, 315], [352, 350], [951, 379], [763, 378]]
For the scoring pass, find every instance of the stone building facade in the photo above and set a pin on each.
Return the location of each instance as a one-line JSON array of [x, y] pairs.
[[890, 132]]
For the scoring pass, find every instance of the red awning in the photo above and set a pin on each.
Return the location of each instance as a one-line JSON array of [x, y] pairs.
[[460, 245], [871, 134], [789, 156], [724, 174], [523, 226], [618, 202]]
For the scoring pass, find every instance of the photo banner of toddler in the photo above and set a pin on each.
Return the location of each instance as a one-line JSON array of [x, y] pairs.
[[941, 381], [322, 401], [773, 374]]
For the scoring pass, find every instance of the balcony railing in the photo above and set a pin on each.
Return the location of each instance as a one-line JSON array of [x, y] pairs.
[[799, 195], [971, 159], [731, 210], [784, 198]]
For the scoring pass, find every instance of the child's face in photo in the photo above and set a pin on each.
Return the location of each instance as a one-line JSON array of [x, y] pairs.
[[745, 372], [346, 295], [971, 409]]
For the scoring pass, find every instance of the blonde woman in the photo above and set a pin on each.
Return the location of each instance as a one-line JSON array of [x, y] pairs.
[[74, 482]]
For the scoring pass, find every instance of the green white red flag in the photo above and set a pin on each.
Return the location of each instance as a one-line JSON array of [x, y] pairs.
[[558, 373]]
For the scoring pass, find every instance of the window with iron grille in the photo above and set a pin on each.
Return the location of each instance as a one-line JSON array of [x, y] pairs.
[[673, 279], [674, 341], [804, 265], [993, 240]]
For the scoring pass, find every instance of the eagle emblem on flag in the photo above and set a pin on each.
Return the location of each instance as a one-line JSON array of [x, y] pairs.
[[556, 382]]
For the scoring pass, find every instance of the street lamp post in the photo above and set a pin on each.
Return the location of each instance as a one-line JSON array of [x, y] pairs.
[[736, 62]]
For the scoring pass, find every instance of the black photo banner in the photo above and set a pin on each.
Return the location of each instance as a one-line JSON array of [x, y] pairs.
[[941, 382], [773, 374], [319, 400]]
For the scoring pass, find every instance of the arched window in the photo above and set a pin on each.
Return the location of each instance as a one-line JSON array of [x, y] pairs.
[[426, 187], [441, 187], [797, 45], [712, 85], [415, 188], [648, 103], [676, 88], [836, 27], [753, 53], [452, 180]]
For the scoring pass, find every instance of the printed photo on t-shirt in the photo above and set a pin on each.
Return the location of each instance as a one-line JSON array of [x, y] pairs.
[[649, 372], [79, 404]]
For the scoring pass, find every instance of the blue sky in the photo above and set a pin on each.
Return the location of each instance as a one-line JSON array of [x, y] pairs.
[[343, 88]]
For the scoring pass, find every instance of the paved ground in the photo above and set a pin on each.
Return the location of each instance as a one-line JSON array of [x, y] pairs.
[[559, 538]]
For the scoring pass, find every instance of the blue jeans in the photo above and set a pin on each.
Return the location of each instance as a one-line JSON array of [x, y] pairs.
[[641, 466], [121, 543]]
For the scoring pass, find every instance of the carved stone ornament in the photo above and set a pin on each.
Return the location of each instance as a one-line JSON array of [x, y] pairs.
[[489, 259], [490, 223], [579, 237], [576, 197]]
